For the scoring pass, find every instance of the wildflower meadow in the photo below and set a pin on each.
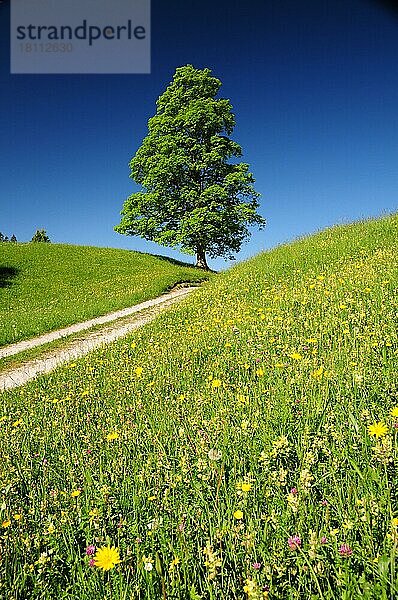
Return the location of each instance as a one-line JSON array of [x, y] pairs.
[[241, 446]]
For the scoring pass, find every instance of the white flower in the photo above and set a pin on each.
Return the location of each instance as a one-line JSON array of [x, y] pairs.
[[147, 563], [214, 454]]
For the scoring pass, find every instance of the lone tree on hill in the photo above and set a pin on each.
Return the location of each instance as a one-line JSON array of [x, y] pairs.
[[40, 236], [191, 197]]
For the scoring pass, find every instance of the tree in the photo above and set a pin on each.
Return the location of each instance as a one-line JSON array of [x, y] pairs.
[[40, 236], [4, 238], [191, 196]]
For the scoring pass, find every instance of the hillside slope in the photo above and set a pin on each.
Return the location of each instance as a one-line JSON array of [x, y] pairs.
[[47, 286], [242, 446]]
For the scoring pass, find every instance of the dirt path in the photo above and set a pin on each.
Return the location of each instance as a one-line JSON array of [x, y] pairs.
[[14, 377]]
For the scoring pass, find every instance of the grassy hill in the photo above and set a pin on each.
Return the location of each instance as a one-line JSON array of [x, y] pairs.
[[47, 286], [241, 446]]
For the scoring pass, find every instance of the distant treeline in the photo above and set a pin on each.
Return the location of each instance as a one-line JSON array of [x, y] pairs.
[[5, 238], [39, 236]]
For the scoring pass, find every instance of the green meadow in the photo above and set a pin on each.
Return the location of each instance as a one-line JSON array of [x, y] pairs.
[[243, 445], [47, 286]]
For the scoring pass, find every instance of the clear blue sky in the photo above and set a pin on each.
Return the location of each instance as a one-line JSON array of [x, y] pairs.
[[314, 86]]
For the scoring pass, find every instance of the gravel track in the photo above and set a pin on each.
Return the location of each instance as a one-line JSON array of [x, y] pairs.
[[147, 311]]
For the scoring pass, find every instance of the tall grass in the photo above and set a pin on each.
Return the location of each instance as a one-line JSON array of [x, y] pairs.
[[47, 286], [243, 445]]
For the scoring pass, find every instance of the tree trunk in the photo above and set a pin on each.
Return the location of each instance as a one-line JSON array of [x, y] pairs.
[[201, 259]]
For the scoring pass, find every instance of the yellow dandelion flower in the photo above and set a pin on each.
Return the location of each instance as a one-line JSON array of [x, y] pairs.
[[296, 356], [378, 429], [17, 517], [260, 372], [238, 514], [394, 411], [246, 486], [112, 436], [6, 523], [216, 383], [250, 587], [394, 522], [16, 423], [76, 493], [138, 371], [106, 558], [318, 373], [176, 561], [242, 399]]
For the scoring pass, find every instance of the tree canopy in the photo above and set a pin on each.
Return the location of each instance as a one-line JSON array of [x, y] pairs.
[[192, 197], [40, 236]]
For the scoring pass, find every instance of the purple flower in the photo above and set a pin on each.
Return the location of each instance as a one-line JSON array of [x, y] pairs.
[[181, 526], [294, 542], [294, 491], [91, 562], [256, 566], [345, 550], [90, 550], [324, 540]]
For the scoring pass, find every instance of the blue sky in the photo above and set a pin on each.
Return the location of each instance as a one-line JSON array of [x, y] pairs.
[[314, 86]]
